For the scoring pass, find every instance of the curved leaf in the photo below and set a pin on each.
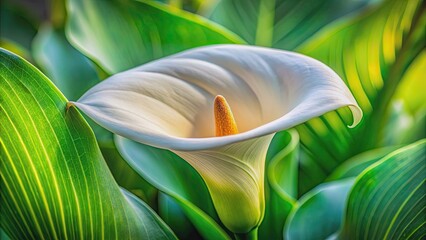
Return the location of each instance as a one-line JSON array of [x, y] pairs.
[[281, 183], [137, 32], [371, 52], [319, 213], [173, 215], [55, 183], [388, 200], [73, 74], [283, 24], [70, 70], [175, 177], [355, 165]]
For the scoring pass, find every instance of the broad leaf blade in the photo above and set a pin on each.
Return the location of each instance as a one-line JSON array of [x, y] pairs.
[[371, 52], [70, 70], [73, 74], [283, 24], [55, 183], [173, 215], [357, 164], [319, 213], [137, 32], [388, 199]]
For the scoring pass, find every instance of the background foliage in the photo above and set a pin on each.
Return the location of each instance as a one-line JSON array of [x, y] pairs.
[[322, 178]]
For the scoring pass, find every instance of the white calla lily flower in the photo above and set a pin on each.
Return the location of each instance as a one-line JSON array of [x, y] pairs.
[[170, 103]]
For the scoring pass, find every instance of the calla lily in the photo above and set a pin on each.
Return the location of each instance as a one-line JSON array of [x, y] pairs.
[[170, 103]]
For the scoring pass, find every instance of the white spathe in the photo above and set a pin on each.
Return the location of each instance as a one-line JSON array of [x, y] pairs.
[[168, 104]]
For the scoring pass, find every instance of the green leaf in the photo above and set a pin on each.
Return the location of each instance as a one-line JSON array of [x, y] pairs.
[[3, 235], [17, 24], [371, 52], [388, 199], [126, 177], [173, 215], [414, 100], [74, 74], [55, 183], [283, 24], [319, 213], [281, 183], [355, 165], [70, 70], [136, 32], [175, 177]]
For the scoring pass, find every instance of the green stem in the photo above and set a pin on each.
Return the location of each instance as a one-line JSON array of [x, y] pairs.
[[252, 235]]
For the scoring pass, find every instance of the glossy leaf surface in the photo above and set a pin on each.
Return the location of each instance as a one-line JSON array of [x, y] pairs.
[[388, 200], [137, 32], [371, 52], [55, 183], [283, 24]]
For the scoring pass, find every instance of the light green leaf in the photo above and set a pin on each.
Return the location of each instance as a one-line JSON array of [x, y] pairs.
[[403, 126], [414, 100], [319, 213], [55, 183], [388, 199], [136, 32], [281, 183], [371, 52], [283, 24], [70, 70], [175, 177], [74, 74]]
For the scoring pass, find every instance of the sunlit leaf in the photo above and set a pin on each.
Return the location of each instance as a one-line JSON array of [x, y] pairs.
[[55, 183], [388, 200], [122, 34], [371, 52], [414, 100], [74, 74], [283, 24]]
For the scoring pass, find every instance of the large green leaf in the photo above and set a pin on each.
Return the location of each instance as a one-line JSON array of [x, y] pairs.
[[388, 200], [358, 163], [281, 183], [122, 34], [281, 24], [371, 52], [319, 213], [55, 183], [175, 177], [173, 215], [70, 70], [74, 74]]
